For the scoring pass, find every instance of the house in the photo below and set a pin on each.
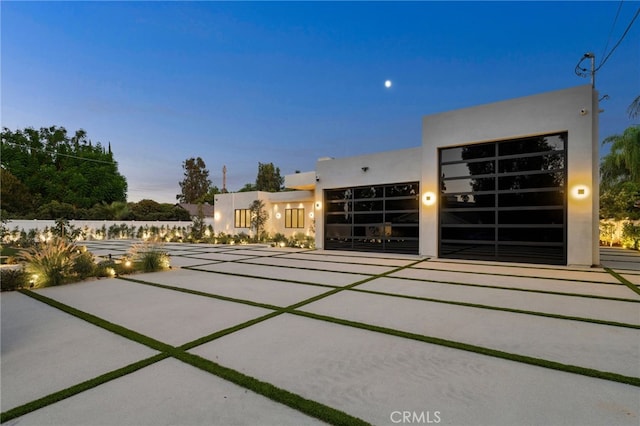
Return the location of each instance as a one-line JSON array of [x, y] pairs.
[[513, 181]]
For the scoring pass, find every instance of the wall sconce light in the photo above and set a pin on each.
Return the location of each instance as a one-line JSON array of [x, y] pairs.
[[580, 192], [216, 216], [278, 215], [317, 179], [429, 198], [365, 168], [318, 205], [311, 215]]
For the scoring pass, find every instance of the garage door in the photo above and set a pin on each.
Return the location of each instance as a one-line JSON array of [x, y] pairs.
[[505, 200], [381, 218]]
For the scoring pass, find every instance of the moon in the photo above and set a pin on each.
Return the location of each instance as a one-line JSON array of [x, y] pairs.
[[387, 83]]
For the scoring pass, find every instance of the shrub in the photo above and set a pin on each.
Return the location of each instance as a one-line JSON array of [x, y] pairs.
[[631, 235], [149, 256], [13, 279], [50, 263], [84, 265], [105, 268]]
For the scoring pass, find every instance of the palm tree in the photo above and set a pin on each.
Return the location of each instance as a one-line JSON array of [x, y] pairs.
[[622, 164], [634, 108]]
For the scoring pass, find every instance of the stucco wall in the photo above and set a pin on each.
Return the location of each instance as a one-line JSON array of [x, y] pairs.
[[381, 168], [274, 203], [572, 110]]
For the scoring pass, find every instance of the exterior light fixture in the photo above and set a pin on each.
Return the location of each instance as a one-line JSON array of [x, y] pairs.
[[429, 198], [580, 192], [216, 216], [311, 215], [278, 215], [318, 205]]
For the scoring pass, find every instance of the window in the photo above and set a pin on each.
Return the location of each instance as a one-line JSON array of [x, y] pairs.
[[242, 218], [294, 218]]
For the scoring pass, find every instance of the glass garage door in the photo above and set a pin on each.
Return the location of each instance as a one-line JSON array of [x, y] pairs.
[[504, 200], [381, 218]]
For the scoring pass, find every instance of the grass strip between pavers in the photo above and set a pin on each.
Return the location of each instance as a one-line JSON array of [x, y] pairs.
[[623, 280], [80, 387], [284, 280], [605, 375], [306, 406]]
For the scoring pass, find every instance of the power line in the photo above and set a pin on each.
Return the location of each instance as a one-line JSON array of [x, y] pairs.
[[615, 20], [59, 153], [619, 41]]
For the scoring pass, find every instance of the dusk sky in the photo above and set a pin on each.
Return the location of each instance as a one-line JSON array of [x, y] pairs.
[[238, 83]]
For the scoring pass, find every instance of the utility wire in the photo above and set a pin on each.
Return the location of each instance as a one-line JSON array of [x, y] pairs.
[[619, 41], [59, 153], [615, 20]]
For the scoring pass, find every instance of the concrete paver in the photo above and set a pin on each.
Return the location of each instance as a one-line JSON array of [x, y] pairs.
[[364, 373], [372, 375], [584, 307], [171, 317], [45, 350], [167, 393], [587, 345]]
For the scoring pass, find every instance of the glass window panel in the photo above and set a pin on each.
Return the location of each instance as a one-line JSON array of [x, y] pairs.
[[459, 201], [467, 152], [339, 207], [405, 189], [338, 218], [401, 217], [338, 194], [555, 216], [534, 144], [470, 250], [338, 231], [482, 234], [402, 204], [467, 169], [468, 185], [539, 180], [368, 206], [531, 199], [368, 218], [368, 192], [549, 235], [404, 231], [405, 245], [467, 217], [542, 162], [531, 254]]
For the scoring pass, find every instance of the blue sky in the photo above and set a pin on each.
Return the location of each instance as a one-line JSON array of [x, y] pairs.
[[238, 83]]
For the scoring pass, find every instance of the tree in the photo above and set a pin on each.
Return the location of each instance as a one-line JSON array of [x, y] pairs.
[[622, 164], [634, 108], [196, 183], [258, 216], [269, 178], [54, 166], [15, 196], [248, 187], [620, 176]]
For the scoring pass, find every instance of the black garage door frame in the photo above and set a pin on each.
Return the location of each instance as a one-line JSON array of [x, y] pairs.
[[504, 200]]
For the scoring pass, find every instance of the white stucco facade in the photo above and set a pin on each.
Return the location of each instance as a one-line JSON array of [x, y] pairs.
[[275, 204], [573, 110]]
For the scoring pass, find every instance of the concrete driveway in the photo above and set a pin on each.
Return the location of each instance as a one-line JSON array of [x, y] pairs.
[[253, 335]]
